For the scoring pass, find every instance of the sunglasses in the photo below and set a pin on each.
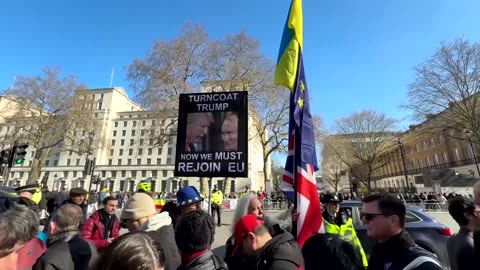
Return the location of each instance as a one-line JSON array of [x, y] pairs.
[[371, 216]]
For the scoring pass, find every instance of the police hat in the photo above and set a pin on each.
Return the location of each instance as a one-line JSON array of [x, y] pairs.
[[330, 198], [32, 188]]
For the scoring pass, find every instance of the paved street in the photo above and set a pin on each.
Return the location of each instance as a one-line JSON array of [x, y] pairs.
[[224, 232]]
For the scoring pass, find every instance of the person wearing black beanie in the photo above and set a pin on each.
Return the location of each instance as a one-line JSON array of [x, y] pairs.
[[194, 234]]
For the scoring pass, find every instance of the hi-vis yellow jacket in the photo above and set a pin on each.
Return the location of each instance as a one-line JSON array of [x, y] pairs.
[[347, 231], [217, 197]]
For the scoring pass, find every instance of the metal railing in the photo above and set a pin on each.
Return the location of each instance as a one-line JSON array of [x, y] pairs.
[[430, 206]]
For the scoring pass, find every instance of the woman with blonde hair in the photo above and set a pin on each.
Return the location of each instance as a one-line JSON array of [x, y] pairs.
[[251, 204]]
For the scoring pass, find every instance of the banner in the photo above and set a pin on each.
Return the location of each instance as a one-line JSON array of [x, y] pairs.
[[212, 137]]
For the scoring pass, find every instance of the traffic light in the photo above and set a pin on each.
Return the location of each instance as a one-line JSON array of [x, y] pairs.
[[5, 156], [20, 151]]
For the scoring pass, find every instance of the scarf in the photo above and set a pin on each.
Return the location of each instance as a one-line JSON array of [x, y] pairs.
[[107, 221], [187, 257]]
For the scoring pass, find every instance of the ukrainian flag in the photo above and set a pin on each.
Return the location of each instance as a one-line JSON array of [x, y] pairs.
[[290, 47]]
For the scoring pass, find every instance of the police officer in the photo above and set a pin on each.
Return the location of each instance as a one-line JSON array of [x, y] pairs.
[[336, 222], [26, 194], [217, 200]]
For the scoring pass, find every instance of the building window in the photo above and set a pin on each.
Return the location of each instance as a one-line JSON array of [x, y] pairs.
[[122, 142], [111, 152], [116, 124], [132, 141], [169, 151], [114, 133], [129, 161], [124, 123], [140, 151], [133, 132], [142, 132], [134, 174], [119, 162], [68, 162], [124, 173], [47, 163], [164, 173], [144, 173], [120, 152], [456, 155], [441, 138], [150, 150], [159, 151], [143, 123], [151, 141], [141, 142], [55, 163], [139, 161], [77, 162], [169, 161], [104, 173], [130, 152], [114, 174], [154, 174], [124, 133], [100, 105], [110, 162], [159, 161], [113, 142], [74, 174], [149, 161], [134, 123]]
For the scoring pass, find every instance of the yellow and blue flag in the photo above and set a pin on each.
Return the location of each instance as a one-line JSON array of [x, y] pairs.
[[299, 183]]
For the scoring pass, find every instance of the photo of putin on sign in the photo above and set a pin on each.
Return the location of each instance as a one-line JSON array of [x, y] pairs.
[[230, 131], [197, 129]]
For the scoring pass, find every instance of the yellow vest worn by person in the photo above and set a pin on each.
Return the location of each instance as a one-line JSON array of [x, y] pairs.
[[347, 231], [217, 197]]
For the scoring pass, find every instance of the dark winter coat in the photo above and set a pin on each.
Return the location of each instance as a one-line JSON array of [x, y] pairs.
[[461, 250], [280, 253], [206, 261], [70, 253], [400, 251]]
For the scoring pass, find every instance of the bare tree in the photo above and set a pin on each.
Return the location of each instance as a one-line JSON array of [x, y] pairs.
[[332, 164], [270, 123], [192, 63], [44, 113], [365, 135], [446, 88], [277, 176]]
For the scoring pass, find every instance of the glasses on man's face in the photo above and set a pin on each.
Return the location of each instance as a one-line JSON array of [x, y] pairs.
[[371, 216]]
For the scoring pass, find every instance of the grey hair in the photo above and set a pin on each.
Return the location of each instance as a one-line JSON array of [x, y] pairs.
[[242, 208], [67, 216], [18, 225]]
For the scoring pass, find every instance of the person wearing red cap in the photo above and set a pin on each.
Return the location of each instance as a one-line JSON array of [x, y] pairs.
[[278, 252]]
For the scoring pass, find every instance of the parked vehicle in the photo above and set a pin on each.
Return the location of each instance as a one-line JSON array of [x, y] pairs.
[[425, 230]]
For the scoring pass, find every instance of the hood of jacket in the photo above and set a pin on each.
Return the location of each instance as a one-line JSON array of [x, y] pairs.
[[282, 247], [156, 222]]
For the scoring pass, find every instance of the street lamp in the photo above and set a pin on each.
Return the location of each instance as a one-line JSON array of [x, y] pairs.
[[402, 155], [468, 134]]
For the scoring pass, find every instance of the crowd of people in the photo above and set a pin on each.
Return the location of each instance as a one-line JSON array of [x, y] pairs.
[[181, 235]]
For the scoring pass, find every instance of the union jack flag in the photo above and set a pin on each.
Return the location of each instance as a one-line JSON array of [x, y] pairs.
[[299, 182]]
